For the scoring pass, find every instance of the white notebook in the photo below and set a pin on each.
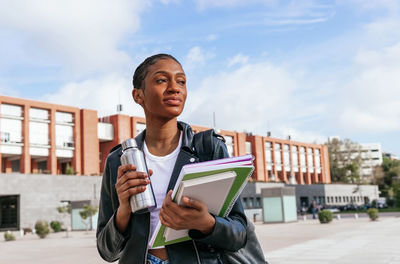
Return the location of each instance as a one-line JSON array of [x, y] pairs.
[[211, 190]]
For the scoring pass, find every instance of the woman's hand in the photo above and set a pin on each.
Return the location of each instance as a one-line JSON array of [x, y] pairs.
[[129, 182], [194, 216]]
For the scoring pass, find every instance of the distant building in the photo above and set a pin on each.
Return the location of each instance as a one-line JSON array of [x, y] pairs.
[[336, 194], [327, 195], [371, 155], [390, 156]]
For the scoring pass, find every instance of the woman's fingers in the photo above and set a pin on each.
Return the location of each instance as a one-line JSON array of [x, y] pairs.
[[130, 175], [131, 191], [133, 183], [195, 204], [124, 168]]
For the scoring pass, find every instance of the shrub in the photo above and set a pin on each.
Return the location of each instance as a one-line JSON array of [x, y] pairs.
[[373, 213], [8, 236], [42, 228], [69, 170], [325, 216], [56, 226]]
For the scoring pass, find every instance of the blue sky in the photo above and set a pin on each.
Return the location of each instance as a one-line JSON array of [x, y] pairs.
[[309, 69]]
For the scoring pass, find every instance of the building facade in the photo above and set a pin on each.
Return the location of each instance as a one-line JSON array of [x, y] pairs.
[[371, 156], [38, 137], [41, 142]]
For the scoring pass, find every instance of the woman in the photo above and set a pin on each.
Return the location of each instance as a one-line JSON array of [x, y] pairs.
[[160, 88]]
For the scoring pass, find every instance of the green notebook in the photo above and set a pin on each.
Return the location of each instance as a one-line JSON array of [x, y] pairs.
[[223, 179]]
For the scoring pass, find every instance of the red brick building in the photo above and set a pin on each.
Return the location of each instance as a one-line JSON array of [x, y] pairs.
[[38, 137]]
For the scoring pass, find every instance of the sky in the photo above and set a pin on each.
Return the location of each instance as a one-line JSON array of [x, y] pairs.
[[308, 69]]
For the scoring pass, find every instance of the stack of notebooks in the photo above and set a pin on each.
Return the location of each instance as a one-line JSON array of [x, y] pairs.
[[217, 183]]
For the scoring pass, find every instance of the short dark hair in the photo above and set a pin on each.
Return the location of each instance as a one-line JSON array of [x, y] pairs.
[[142, 70]]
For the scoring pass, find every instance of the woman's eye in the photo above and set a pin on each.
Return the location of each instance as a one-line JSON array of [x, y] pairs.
[[161, 80], [182, 82]]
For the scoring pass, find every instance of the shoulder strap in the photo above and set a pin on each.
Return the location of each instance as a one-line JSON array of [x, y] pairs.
[[203, 144]]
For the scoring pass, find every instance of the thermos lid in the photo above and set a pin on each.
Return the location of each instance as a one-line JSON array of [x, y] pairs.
[[129, 143]]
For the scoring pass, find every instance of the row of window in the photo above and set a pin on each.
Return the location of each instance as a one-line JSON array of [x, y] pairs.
[[11, 125], [306, 157], [251, 202], [15, 111], [337, 199]]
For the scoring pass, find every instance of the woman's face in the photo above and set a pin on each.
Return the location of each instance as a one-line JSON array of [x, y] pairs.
[[164, 94]]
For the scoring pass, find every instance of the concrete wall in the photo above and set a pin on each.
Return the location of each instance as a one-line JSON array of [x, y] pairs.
[[41, 194], [348, 193], [352, 191]]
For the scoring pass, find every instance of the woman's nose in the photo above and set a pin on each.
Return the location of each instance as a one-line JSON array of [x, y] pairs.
[[174, 87]]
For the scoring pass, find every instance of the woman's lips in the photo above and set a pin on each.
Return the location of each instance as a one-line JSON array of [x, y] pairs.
[[173, 101]]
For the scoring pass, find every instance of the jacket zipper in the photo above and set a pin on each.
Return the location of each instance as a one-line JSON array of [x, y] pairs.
[[197, 252]]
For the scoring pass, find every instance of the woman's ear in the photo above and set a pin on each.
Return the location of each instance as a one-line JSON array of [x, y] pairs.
[[138, 96]]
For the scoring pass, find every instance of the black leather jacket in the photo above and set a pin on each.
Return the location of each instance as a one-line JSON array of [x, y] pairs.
[[229, 233]]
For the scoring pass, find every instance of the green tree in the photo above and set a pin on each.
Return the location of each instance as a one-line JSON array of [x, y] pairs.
[[391, 175], [396, 194], [344, 160], [88, 212], [65, 209]]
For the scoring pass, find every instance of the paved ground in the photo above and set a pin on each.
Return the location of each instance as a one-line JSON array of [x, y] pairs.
[[343, 241]]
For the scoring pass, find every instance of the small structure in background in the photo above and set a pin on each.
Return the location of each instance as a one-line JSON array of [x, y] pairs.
[[279, 205]]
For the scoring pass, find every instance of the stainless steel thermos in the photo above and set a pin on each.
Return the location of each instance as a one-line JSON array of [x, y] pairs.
[[131, 154]]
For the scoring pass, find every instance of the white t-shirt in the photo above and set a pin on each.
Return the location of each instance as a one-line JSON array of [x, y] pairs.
[[162, 170]]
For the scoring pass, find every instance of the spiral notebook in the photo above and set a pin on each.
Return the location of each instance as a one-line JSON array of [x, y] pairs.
[[217, 183]]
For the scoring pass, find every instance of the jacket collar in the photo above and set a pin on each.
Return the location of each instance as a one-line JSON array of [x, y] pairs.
[[186, 155]]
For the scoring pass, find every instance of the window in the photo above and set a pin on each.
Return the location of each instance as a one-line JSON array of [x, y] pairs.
[[15, 165], [11, 130], [64, 136], [258, 202], [268, 156], [63, 117], [318, 161], [251, 202], [278, 160], [9, 208], [286, 157], [248, 147], [295, 161], [38, 114], [310, 160], [38, 133], [11, 110], [303, 159], [42, 166], [244, 199], [229, 145]]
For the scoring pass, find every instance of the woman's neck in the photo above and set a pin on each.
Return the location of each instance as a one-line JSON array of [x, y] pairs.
[[162, 137]]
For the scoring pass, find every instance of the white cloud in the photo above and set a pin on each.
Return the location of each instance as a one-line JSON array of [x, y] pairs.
[[212, 37], [166, 2], [301, 135], [83, 36], [247, 98], [391, 5], [203, 4], [238, 59], [196, 57], [372, 97], [101, 94]]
